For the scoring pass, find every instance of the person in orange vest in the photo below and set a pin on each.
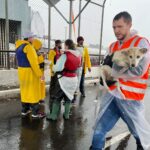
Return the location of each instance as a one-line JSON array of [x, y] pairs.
[[133, 84]]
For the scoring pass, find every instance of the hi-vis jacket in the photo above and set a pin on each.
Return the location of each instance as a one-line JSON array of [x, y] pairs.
[[133, 89], [29, 72], [37, 44], [53, 55]]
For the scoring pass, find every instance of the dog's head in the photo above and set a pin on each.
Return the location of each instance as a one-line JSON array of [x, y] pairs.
[[134, 55]]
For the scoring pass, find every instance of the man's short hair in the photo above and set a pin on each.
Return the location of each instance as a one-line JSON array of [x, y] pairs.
[[80, 38], [26, 39], [125, 15], [58, 42]]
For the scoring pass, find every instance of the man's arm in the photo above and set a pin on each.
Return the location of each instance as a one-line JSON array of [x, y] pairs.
[[135, 72], [88, 60], [60, 63], [33, 59], [51, 56]]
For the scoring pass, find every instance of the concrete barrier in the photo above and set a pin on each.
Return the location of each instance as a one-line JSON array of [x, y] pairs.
[[9, 79]]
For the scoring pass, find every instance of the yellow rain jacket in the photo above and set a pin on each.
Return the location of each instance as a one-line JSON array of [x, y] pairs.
[[29, 77], [86, 59], [51, 58], [37, 44]]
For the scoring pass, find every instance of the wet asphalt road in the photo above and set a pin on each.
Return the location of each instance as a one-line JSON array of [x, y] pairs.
[[18, 133]]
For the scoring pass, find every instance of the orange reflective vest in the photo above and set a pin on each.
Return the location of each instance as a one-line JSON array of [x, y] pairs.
[[132, 89]]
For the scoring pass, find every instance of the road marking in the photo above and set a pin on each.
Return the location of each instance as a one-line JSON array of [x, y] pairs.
[[116, 139]]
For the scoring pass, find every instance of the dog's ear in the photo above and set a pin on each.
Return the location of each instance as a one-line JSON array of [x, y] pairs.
[[143, 50], [125, 52]]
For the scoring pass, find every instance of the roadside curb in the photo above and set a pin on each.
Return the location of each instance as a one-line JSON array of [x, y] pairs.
[[15, 92]]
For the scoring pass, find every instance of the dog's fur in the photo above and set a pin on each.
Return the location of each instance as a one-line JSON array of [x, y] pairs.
[[129, 57], [125, 58]]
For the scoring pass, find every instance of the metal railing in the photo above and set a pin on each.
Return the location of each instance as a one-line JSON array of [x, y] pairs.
[[11, 60], [8, 60], [96, 59]]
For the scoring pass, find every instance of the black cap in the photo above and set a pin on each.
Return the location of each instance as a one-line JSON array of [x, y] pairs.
[[58, 42]]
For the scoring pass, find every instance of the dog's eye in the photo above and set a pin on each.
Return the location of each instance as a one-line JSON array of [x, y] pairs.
[[130, 56], [138, 56]]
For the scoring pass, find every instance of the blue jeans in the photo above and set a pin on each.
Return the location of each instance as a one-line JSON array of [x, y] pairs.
[[107, 121]]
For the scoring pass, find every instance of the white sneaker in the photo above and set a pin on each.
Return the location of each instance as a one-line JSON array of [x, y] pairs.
[[38, 116], [25, 113], [35, 116]]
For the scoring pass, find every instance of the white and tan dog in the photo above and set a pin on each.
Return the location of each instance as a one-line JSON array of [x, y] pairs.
[[125, 58]]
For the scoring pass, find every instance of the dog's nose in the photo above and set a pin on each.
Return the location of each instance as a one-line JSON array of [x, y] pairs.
[[133, 65]]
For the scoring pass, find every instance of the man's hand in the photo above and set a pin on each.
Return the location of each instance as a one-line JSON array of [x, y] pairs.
[[89, 69], [42, 78], [61, 51]]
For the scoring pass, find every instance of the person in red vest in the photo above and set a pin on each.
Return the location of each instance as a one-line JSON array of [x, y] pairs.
[[133, 84], [67, 81]]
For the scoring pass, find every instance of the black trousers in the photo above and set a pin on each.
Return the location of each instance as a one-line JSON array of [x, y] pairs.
[[81, 87], [28, 106], [51, 90], [56, 93]]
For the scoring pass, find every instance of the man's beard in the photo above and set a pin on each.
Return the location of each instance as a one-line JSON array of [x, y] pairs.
[[123, 37]]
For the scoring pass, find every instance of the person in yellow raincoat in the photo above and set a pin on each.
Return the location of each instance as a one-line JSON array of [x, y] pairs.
[[30, 76], [53, 56], [37, 44]]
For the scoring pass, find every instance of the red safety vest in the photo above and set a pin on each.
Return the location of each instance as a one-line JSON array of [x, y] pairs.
[[132, 89], [71, 65]]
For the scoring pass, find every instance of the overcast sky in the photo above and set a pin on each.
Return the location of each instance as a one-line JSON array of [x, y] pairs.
[[91, 18]]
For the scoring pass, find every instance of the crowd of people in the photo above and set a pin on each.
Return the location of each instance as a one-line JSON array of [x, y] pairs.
[[68, 67]]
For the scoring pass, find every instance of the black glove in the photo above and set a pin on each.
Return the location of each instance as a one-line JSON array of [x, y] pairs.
[[41, 65], [108, 82]]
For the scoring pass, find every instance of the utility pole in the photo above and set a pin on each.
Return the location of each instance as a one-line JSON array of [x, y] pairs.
[[70, 19], [65, 32], [49, 27], [7, 32], [79, 26], [102, 24]]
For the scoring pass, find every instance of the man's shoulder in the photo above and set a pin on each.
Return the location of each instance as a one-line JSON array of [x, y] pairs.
[[52, 51], [112, 45], [143, 42], [85, 47], [28, 48], [144, 39]]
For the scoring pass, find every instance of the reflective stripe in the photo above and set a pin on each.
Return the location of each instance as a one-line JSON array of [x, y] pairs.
[[134, 41], [141, 81], [132, 89]]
